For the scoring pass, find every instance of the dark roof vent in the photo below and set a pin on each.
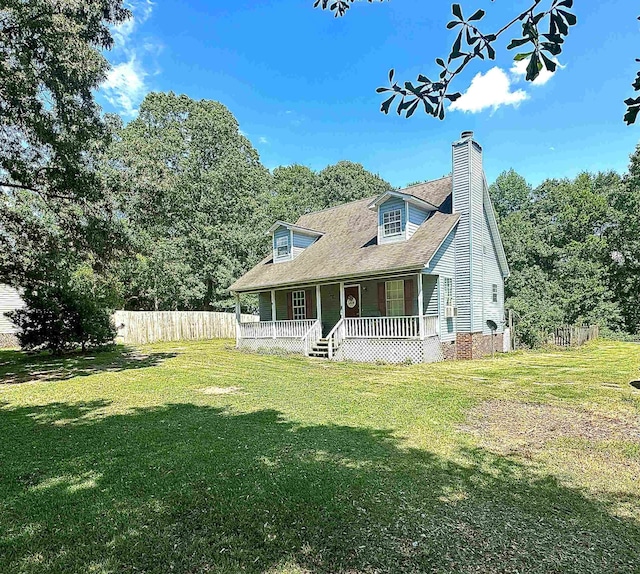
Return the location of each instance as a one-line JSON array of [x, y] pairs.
[[466, 134]]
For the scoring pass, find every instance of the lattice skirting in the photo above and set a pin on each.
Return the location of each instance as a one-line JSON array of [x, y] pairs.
[[8, 341], [390, 350], [288, 345]]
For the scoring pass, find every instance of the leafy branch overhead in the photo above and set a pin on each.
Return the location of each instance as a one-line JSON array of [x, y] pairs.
[[541, 40]]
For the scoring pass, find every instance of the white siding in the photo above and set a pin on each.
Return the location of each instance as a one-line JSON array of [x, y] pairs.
[[301, 241], [443, 264], [390, 205], [416, 218], [492, 276], [468, 188], [9, 301], [461, 204]]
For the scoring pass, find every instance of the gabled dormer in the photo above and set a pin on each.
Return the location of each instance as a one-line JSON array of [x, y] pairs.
[[399, 215], [290, 240]]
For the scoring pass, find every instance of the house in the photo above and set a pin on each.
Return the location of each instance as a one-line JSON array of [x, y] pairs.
[[411, 275], [10, 300]]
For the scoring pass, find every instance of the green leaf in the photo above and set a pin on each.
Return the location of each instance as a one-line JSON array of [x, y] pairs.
[[478, 15], [517, 42], [522, 56], [533, 68], [384, 107], [391, 73], [569, 17], [457, 11], [548, 62], [440, 62]]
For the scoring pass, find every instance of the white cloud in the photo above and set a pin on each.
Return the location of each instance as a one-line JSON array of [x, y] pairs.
[[490, 90], [125, 87], [263, 140], [519, 71]]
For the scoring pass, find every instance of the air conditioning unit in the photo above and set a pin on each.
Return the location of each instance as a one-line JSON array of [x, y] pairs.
[[450, 311]]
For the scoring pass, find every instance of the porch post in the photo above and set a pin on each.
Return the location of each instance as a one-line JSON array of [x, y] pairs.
[[273, 313], [342, 300], [238, 319], [420, 307], [318, 304]]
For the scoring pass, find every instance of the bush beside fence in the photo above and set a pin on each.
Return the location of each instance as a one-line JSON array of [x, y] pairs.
[[140, 327]]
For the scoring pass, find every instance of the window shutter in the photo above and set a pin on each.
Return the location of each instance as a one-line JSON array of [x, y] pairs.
[[289, 305], [308, 302], [408, 297], [382, 300]]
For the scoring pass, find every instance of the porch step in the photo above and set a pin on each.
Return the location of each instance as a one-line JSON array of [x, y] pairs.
[[320, 349]]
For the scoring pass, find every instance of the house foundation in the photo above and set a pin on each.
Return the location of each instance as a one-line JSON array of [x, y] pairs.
[[477, 345]]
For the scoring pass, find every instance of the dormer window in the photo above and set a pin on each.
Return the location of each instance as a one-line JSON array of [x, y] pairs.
[[392, 223], [282, 246]]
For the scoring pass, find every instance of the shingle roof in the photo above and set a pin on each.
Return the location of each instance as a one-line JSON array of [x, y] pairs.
[[349, 246]]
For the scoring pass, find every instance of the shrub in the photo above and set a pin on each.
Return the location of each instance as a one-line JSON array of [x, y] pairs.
[[69, 311]]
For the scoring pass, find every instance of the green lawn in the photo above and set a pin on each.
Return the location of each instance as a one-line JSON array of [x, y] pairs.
[[195, 457]]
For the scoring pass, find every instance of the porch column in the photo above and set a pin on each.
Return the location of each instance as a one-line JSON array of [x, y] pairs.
[[273, 313], [318, 304], [238, 319], [420, 307], [342, 300]]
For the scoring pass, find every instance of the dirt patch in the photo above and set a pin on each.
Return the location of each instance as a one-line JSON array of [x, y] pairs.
[[509, 426], [221, 390]]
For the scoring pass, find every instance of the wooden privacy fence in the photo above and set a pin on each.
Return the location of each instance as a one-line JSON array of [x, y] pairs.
[[140, 327], [574, 335]]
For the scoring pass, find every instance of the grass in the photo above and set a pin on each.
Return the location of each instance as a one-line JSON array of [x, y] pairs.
[[195, 457]]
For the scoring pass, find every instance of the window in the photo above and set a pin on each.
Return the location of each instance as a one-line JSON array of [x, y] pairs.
[[494, 293], [395, 298], [392, 222], [299, 305], [447, 289], [282, 246]]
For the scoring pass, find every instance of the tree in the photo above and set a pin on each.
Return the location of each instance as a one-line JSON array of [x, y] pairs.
[[191, 191], [559, 252], [544, 27], [51, 62], [510, 193], [348, 181], [69, 309], [624, 237]]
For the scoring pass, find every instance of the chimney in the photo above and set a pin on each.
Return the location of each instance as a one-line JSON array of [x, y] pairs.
[[468, 191]]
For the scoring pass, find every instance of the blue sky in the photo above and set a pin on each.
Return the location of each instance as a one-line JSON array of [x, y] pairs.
[[302, 83]]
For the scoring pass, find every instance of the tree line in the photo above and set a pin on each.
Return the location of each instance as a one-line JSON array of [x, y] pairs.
[[573, 246], [164, 212]]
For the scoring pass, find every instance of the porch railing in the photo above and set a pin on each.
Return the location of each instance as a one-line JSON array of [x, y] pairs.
[[389, 327], [311, 337], [276, 329], [336, 336]]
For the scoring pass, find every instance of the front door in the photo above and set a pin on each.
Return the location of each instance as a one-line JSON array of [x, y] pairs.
[[352, 301]]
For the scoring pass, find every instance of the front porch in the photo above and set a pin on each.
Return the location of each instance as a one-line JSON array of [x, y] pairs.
[[393, 319]]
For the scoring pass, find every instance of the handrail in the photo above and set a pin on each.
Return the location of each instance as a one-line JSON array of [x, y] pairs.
[[331, 336], [315, 328]]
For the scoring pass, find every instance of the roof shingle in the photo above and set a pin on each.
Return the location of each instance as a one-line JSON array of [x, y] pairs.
[[349, 245]]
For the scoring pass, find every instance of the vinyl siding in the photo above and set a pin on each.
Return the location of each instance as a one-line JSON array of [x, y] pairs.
[[300, 242], [277, 234], [264, 305], [443, 264], [330, 295], [468, 182], [416, 217], [492, 275], [477, 239], [390, 205], [9, 301]]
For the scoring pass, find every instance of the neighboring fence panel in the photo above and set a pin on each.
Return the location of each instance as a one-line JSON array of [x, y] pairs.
[[140, 327], [574, 335]]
